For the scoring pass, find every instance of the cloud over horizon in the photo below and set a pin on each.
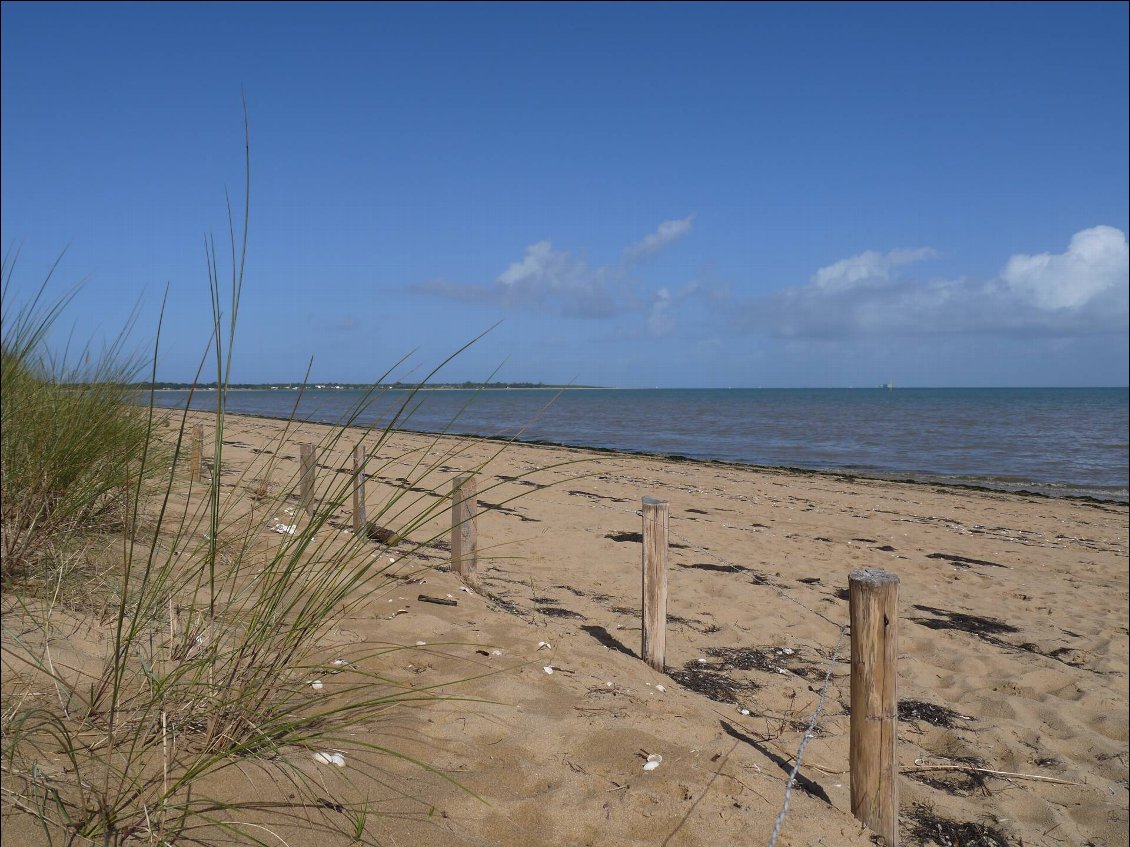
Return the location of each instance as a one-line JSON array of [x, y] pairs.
[[1078, 292], [1095, 262], [1081, 291], [559, 282]]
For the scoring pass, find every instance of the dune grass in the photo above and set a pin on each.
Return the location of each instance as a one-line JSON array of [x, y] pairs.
[[209, 639], [73, 445], [197, 653]]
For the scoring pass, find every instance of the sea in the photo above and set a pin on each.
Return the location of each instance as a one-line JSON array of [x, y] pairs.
[[1054, 441]]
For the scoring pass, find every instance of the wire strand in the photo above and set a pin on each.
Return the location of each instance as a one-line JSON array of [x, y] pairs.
[[807, 737]]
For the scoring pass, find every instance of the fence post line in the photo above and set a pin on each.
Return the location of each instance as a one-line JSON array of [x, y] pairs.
[[873, 602], [656, 517], [359, 488], [464, 532], [306, 478], [196, 461]]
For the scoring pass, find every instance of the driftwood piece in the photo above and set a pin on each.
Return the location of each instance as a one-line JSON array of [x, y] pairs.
[[439, 601]]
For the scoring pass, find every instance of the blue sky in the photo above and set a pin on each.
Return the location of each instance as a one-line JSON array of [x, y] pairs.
[[637, 195]]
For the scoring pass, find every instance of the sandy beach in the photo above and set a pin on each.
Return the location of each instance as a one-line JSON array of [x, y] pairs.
[[1013, 651]]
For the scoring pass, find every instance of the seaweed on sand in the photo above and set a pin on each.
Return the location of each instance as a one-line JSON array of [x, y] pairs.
[[711, 682], [987, 630], [974, 624], [559, 612], [766, 659], [964, 561], [919, 710], [927, 827]]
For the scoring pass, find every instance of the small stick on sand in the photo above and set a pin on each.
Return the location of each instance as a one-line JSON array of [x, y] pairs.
[[923, 765], [439, 601]]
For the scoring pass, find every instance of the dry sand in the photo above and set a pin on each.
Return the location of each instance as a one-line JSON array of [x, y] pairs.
[[1033, 679]]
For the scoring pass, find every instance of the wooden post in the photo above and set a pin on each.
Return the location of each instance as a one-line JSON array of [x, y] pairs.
[[464, 533], [196, 460], [358, 489], [873, 601], [656, 515], [306, 478]]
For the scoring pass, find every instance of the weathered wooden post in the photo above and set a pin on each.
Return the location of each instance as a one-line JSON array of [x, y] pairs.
[[306, 478], [656, 516], [358, 489], [873, 601], [464, 533], [196, 460]]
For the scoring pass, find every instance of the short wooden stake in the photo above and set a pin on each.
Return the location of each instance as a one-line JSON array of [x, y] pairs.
[[873, 601], [358, 489], [196, 461], [464, 532], [306, 478], [656, 516]]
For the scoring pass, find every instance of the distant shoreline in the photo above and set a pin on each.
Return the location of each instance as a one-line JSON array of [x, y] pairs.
[[874, 433], [392, 387], [847, 474], [330, 386]]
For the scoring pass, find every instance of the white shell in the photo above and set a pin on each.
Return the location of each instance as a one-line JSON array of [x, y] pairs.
[[661, 688], [653, 761], [421, 643], [544, 645], [317, 685], [327, 758], [548, 669]]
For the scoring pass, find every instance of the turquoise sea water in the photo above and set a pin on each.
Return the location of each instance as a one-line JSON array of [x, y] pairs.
[[1059, 441]]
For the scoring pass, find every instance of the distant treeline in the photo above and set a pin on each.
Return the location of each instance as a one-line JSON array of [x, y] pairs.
[[266, 386]]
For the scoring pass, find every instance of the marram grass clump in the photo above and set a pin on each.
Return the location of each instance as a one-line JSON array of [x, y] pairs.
[[145, 715], [71, 448]]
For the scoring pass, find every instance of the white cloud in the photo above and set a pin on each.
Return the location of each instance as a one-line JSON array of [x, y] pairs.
[[1082, 291], [539, 264], [1096, 261], [666, 233], [867, 267], [547, 276], [559, 282]]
